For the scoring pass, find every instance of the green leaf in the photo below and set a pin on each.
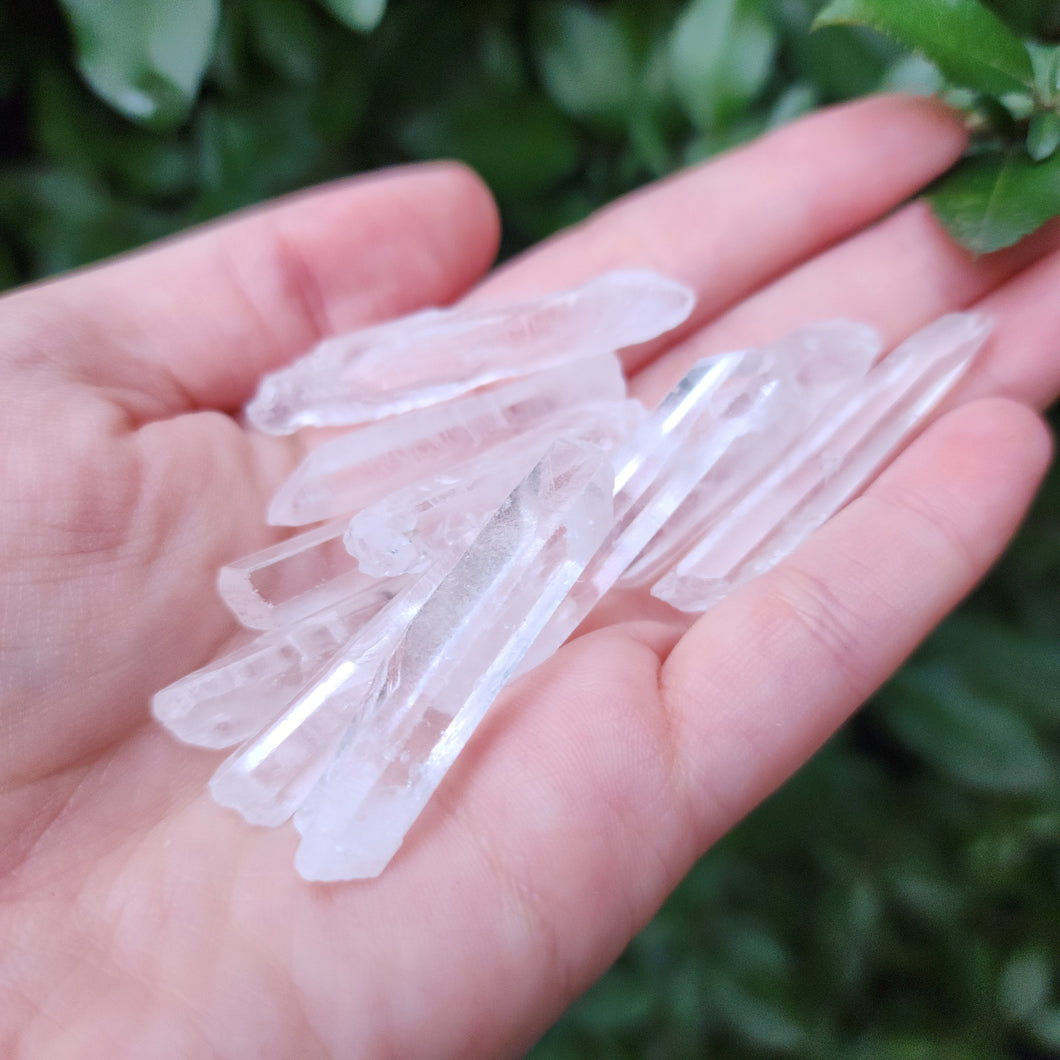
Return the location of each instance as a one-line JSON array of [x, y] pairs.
[[1043, 135], [798, 100], [1046, 1028], [619, 1002], [1045, 61], [972, 738], [287, 37], [720, 59], [846, 61], [1016, 666], [586, 61], [361, 15], [994, 200], [146, 58], [933, 899], [1025, 983], [760, 1020], [966, 41], [912, 74]]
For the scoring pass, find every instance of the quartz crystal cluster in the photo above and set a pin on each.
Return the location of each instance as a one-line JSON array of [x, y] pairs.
[[497, 482]]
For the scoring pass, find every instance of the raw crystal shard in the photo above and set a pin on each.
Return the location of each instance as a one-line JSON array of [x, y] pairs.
[[436, 355], [405, 529], [352, 471], [290, 580], [454, 658], [717, 402], [267, 778], [237, 694], [857, 432], [808, 368], [353, 705]]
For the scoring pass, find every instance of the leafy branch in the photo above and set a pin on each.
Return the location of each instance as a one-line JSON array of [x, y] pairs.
[[1008, 183], [147, 58]]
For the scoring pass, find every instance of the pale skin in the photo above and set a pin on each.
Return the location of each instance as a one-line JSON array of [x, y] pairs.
[[139, 920]]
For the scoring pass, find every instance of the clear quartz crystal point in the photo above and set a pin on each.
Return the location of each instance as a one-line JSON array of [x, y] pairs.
[[404, 530], [860, 429], [269, 776], [239, 693], [453, 659], [718, 401], [352, 471], [290, 580], [810, 366], [435, 355]]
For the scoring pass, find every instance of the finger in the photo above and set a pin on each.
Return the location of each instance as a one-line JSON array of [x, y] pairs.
[[897, 276], [1022, 359], [784, 662], [730, 226], [195, 322]]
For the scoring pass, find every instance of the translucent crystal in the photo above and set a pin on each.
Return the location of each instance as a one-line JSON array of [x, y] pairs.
[[239, 693], [513, 487], [856, 434], [809, 367], [352, 471], [715, 403], [436, 355], [454, 658], [402, 531], [267, 778], [288, 581]]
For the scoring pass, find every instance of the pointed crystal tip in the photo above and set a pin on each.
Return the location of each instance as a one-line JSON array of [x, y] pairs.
[[434, 356]]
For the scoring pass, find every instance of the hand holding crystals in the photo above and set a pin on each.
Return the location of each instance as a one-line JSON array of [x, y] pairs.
[[133, 910]]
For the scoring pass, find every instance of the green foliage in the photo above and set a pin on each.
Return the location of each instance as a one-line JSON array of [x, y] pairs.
[[968, 43], [995, 199], [897, 900], [587, 62], [144, 57], [1009, 186], [720, 57], [561, 105], [972, 737], [362, 15]]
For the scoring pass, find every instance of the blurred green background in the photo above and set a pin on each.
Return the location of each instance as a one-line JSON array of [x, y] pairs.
[[898, 898]]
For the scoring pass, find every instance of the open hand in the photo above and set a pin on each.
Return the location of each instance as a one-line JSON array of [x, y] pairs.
[[136, 917]]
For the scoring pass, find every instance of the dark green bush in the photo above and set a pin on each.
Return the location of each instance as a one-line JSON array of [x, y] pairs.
[[897, 900]]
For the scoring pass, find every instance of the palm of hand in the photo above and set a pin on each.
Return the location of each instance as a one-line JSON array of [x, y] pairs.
[[138, 918]]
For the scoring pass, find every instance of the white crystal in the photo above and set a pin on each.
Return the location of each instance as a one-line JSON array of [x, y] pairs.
[[435, 355], [454, 658], [267, 778], [714, 404], [353, 706], [233, 697], [404, 530], [857, 433], [352, 471], [809, 367], [290, 580]]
